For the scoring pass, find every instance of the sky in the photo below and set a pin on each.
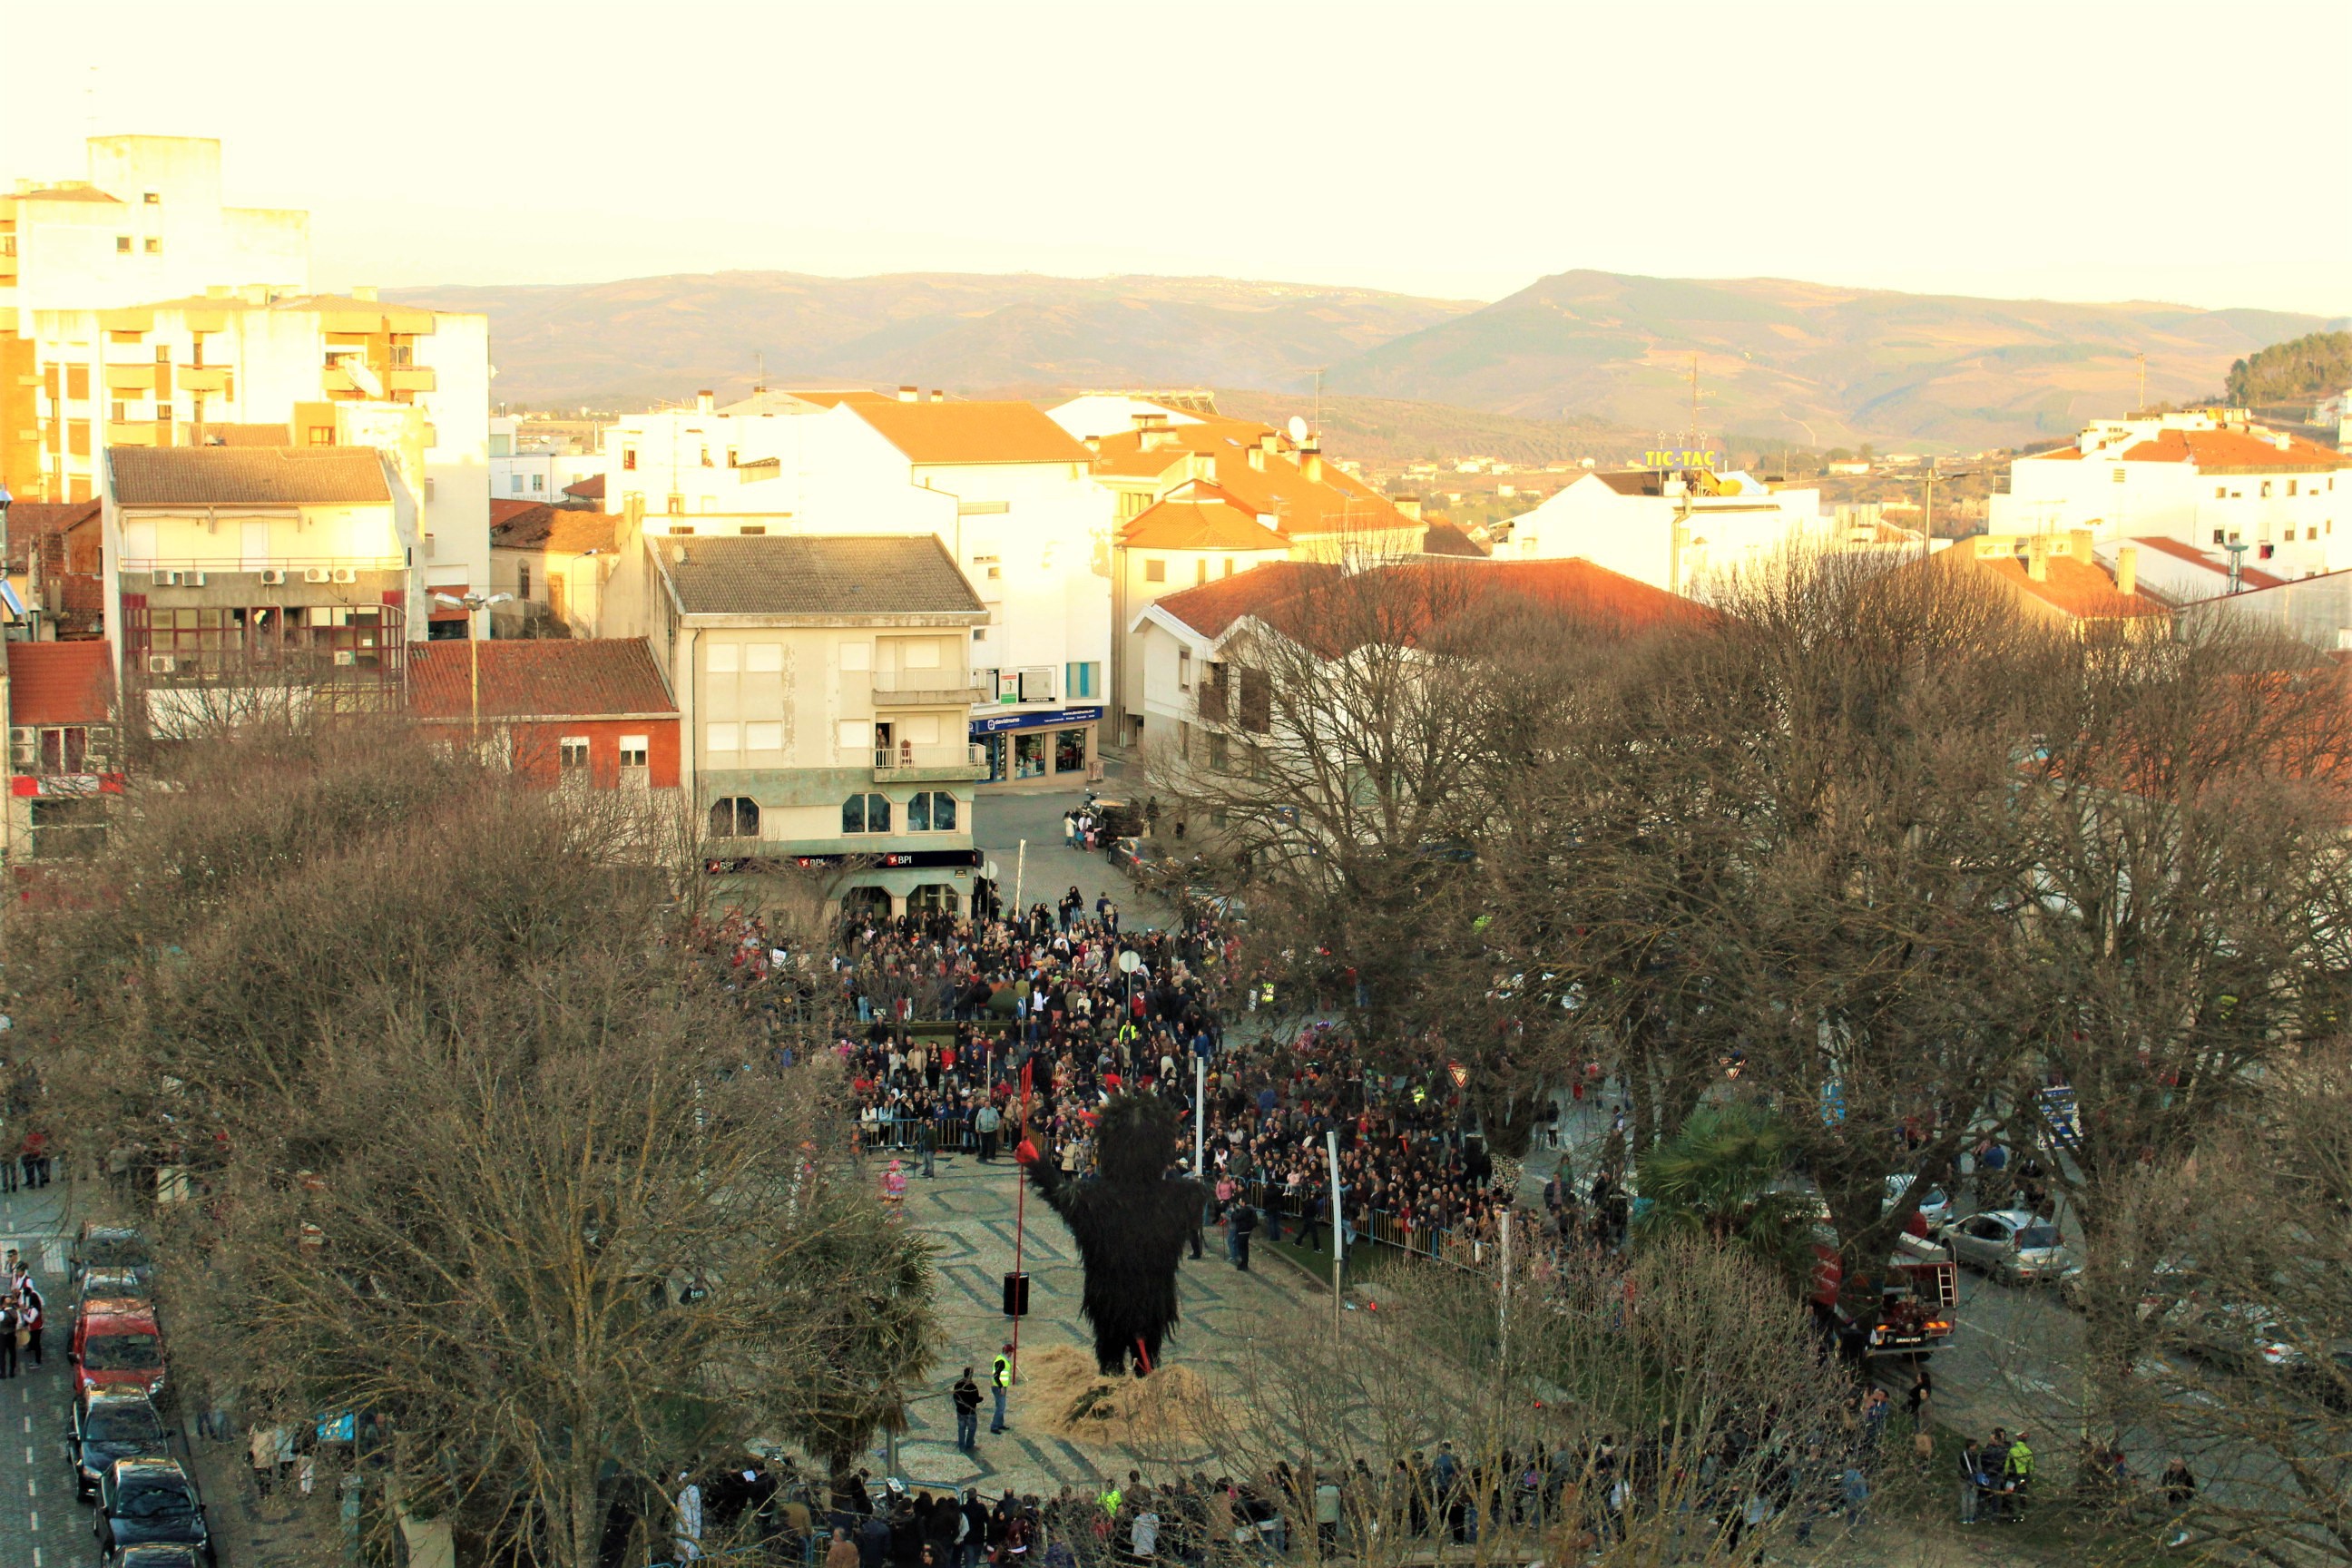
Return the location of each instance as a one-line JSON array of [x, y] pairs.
[[1456, 148]]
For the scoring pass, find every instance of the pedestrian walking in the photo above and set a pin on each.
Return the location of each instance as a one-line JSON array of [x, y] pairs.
[[1000, 1375], [927, 1137], [1244, 1223], [10, 1323], [2179, 1484], [987, 1121], [967, 1408], [686, 1538], [35, 1316]]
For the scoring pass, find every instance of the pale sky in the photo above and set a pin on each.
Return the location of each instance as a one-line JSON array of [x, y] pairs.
[[2058, 149]]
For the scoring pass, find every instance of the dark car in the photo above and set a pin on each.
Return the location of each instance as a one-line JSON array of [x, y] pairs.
[[148, 1502], [160, 1556], [107, 1425], [110, 1246]]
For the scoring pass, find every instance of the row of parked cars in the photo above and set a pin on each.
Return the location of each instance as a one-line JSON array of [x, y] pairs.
[[145, 1508]]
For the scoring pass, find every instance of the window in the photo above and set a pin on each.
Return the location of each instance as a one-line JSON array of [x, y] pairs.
[[866, 814], [1155, 571], [931, 811], [736, 816], [428, 483], [2266, 490], [2219, 536], [1029, 754], [1079, 680], [1069, 751], [722, 738], [1200, 571], [320, 434], [685, 528], [2311, 534], [123, 245], [706, 457], [163, 353], [635, 750], [856, 734], [539, 483], [514, 484], [724, 658], [764, 657], [731, 458], [923, 655], [766, 736], [1229, 565], [2221, 492], [1220, 753], [675, 505], [856, 655], [152, 198], [2268, 551], [628, 457], [1184, 656], [980, 633], [572, 754], [154, 248], [752, 529], [522, 579], [2291, 487]]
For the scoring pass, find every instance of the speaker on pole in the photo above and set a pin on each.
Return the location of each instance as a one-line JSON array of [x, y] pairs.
[[1016, 1295]]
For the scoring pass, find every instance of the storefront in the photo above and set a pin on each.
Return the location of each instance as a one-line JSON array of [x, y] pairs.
[[1040, 745]]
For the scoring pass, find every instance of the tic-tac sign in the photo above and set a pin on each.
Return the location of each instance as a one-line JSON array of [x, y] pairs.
[[1706, 457]]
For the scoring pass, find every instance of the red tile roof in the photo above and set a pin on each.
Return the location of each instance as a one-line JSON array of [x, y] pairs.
[[1213, 607], [540, 678], [2212, 449], [1406, 602], [960, 433], [32, 521], [503, 513], [1338, 502], [2082, 591], [1199, 517], [590, 489], [61, 682]]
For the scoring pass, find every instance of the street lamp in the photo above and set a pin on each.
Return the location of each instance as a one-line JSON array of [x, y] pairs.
[[475, 602]]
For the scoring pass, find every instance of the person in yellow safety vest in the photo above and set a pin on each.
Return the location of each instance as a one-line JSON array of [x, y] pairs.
[[2018, 1470], [1111, 1497], [1000, 1375]]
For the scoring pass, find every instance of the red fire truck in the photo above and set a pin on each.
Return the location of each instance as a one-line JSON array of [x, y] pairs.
[[1914, 1300]]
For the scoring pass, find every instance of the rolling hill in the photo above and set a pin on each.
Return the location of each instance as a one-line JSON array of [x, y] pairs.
[[1777, 359]]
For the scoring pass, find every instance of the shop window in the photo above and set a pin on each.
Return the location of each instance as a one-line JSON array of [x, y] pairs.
[[1069, 751], [933, 898], [1029, 754], [735, 816], [931, 811], [866, 814]]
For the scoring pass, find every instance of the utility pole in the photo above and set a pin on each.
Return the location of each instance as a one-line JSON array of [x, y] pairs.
[[2141, 407], [1339, 1227]]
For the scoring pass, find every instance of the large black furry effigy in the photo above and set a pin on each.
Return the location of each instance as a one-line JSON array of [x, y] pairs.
[[1131, 1222]]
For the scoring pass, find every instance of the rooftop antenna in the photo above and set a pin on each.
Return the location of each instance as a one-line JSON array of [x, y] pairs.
[[1318, 405], [2143, 381], [760, 360], [1693, 424]]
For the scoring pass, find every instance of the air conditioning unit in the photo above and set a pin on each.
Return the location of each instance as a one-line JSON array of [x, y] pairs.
[[316, 574], [346, 574], [162, 664], [345, 656], [192, 579], [165, 579], [272, 576]]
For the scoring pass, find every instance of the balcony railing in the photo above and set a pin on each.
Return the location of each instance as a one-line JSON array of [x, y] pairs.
[[925, 687], [906, 762]]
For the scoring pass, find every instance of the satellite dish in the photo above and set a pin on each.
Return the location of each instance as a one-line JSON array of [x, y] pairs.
[[1298, 428]]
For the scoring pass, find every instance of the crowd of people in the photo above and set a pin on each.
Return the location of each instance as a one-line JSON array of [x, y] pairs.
[[962, 1034]]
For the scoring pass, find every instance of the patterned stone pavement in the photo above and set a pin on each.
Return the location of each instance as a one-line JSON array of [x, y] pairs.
[[969, 1210], [41, 1526]]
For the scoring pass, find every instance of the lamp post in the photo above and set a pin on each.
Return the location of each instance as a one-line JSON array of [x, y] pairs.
[[475, 603]]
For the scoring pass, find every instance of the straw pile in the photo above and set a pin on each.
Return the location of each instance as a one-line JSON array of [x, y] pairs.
[[1063, 1394]]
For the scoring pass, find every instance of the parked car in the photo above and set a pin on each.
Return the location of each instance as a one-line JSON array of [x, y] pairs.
[[117, 1344], [148, 1502], [157, 1555], [110, 1246], [108, 1285], [1935, 1208], [2014, 1245], [107, 1425]]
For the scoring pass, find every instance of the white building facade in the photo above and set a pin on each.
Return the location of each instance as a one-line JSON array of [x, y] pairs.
[[1675, 532]]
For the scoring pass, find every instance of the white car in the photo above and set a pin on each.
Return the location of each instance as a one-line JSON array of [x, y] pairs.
[[2009, 1244], [1935, 1208]]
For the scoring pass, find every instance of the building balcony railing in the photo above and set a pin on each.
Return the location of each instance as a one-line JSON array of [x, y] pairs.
[[410, 378], [925, 689], [906, 762], [203, 378], [131, 378]]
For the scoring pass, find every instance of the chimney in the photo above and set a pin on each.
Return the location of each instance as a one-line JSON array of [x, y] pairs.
[[1310, 463], [1266, 519], [2037, 558], [2127, 569], [364, 291], [706, 402], [911, 395], [1410, 506], [256, 293], [938, 396], [1257, 459], [1265, 443], [2078, 544]]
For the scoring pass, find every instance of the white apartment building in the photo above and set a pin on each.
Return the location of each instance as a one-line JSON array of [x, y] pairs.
[[1672, 530], [681, 462], [531, 464], [145, 223], [2211, 479]]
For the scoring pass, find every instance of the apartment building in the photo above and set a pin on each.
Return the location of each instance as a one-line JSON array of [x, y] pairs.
[[682, 462], [2212, 478], [245, 576], [65, 752], [824, 691], [145, 222], [583, 715]]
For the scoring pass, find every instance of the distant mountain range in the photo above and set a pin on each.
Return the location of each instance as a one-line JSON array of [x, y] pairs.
[[1777, 361]]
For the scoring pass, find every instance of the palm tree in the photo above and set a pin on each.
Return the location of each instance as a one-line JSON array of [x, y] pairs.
[[1718, 1177]]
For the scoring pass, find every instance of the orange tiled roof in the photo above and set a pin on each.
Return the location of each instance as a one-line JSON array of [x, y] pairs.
[[992, 432], [1408, 601], [506, 513], [1199, 517], [2079, 590], [61, 682], [1213, 607], [529, 677], [2234, 449], [1338, 502]]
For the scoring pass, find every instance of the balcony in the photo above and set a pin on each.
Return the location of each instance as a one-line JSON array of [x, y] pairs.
[[926, 689], [909, 763], [410, 378], [131, 378], [203, 378]]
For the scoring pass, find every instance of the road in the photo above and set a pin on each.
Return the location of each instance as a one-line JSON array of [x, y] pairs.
[[40, 1523]]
